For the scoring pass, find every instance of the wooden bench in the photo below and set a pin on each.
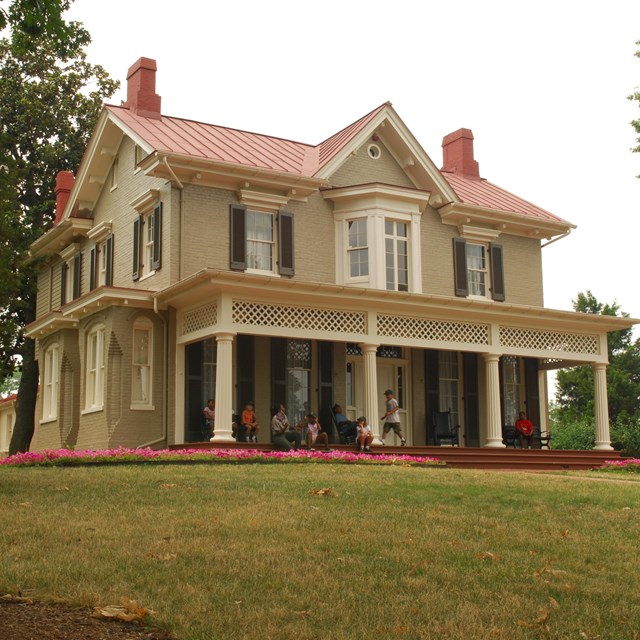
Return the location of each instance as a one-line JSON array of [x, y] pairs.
[[540, 440]]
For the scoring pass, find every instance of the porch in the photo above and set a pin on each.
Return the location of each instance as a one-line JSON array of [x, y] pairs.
[[464, 457]]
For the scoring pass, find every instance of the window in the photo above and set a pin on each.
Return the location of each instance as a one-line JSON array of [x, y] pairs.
[[71, 279], [113, 182], [357, 248], [511, 387], [50, 383], [102, 264], [396, 248], [298, 379], [261, 241], [147, 242], [142, 366], [94, 380], [449, 377], [478, 270]]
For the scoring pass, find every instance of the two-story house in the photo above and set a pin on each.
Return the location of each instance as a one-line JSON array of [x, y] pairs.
[[191, 261]]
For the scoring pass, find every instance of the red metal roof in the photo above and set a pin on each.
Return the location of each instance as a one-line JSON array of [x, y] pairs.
[[223, 144], [483, 193]]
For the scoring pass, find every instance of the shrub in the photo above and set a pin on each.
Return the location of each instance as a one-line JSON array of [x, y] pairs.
[[573, 434], [625, 436]]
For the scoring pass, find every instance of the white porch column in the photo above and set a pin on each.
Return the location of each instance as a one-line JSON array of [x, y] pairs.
[[543, 401], [224, 388], [371, 389], [494, 419], [603, 438]]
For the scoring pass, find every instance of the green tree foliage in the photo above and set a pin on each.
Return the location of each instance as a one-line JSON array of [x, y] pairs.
[[635, 96], [575, 387], [50, 97]]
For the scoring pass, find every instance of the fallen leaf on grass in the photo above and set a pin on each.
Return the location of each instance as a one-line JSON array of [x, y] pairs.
[[129, 611], [553, 602], [9, 598], [164, 557], [487, 555], [328, 491], [543, 616], [168, 486]]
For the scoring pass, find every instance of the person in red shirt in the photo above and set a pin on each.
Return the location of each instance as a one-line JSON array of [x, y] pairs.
[[524, 430]]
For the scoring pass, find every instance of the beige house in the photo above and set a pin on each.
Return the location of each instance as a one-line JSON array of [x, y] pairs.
[[192, 261], [7, 421]]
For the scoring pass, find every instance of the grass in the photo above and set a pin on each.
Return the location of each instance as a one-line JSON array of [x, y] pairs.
[[390, 552]]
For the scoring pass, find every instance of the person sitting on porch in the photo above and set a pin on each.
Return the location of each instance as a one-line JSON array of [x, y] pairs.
[[524, 430], [314, 431], [282, 435], [365, 435], [209, 416], [346, 428], [250, 423]]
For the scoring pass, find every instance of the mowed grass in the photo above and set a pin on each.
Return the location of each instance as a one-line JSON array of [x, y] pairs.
[[254, 551]]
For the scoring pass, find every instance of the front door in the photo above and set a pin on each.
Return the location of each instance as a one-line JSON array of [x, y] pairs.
[[391, 374]]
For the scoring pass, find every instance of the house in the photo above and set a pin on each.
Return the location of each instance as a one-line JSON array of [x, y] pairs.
[[7, 420], [191, 261]]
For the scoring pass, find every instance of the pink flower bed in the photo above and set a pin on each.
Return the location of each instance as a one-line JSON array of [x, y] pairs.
[[631, 465], [66, 457]]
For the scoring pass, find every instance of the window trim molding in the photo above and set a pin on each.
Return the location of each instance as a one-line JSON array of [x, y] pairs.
[[142, 323], [52, 398], [98, 329]]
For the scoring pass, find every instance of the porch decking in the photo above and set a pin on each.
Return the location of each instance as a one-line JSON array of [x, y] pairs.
[[466, 457]]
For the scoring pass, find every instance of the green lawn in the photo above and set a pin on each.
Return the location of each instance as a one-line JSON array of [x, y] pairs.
[[252, 551]]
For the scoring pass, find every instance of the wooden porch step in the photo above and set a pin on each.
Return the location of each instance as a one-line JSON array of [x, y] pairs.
[[464, 457]]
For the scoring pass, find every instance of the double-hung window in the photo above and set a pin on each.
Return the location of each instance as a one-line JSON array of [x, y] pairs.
[[70, 277], [102, 264], [261, 241], [357, 250], [50, 383], [142, 364], [94, 360], [478, 270], [396, 251], [147, 242]]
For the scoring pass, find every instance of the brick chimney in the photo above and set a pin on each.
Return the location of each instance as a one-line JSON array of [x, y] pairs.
[[142, 98], [64, 184], [457, 154]]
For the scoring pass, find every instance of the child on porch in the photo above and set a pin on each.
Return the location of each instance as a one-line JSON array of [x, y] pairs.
[[524, 430], [250, 423], [365, 435]]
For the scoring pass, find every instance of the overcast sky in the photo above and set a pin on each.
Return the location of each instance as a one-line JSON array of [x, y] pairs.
[[542, 85]]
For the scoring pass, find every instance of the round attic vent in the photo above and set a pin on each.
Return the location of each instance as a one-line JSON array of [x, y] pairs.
[[374, 151]]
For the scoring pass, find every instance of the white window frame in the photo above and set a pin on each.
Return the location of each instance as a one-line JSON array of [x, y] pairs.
[[266, 242], [357, 249], [146, 250], [512, 388], [377, 204], [51, 382], [94, 369], [449, 386], [481, 271], [113, 184], [393, 240], [142, 370]]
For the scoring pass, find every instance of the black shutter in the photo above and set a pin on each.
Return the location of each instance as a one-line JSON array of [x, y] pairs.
[[157, 237], [461, 285], [497, 272], [137, 229], [471, 399], [238, 240], [285, 244], [63, 283], [93, 267], [77, 275], [108, 247], [532, 390], [432, 390]]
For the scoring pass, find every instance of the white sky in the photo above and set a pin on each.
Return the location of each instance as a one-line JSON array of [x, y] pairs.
[[542, 85]]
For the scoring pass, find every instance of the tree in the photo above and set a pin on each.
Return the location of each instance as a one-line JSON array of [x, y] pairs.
[[636, 123], [575, 387], [50, 97]]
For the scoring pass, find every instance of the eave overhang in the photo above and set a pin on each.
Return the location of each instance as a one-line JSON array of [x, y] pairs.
[[224, 175], [70, 314], [375, 194], [209, 282], [63, 234], [459, 214]]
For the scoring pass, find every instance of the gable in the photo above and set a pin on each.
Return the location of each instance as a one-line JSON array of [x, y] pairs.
[[361, 168]]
